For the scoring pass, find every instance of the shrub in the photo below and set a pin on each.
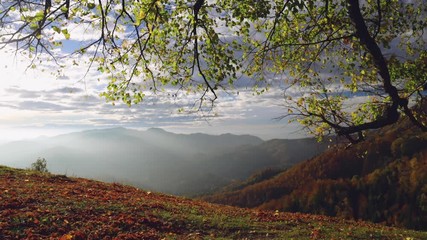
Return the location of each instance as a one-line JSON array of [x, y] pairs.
[[40, 165]]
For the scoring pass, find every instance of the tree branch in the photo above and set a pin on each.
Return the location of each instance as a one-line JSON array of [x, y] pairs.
[[196, 9]]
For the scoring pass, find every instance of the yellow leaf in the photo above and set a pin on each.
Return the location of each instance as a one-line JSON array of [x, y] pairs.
[[66, 237]]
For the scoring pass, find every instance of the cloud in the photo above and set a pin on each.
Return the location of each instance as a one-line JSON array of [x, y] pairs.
[[41, 106], [67, 90], [23, 93], [42, 100]]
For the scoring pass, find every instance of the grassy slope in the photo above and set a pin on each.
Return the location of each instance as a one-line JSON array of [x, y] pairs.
[[37, 206]]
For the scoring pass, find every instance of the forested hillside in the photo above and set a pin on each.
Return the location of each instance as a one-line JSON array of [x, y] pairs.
[[383, 179]]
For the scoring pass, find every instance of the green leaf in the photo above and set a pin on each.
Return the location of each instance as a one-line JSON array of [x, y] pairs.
[[38, 17], [91, 5], [56, 29], [65, 33]]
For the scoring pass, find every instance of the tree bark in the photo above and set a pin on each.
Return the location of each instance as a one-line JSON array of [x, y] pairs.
[[390, 114]]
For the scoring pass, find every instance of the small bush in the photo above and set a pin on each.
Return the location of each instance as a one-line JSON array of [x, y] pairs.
[[40, 165]]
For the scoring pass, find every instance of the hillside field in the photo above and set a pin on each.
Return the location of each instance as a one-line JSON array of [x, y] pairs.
[[45, 206]]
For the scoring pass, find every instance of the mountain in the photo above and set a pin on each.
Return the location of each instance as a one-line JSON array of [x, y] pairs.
[[181, 164], [45, 206], [277, 153], [383, 179]]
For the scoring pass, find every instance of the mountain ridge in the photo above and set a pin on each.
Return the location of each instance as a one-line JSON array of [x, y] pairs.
[[182, 164]]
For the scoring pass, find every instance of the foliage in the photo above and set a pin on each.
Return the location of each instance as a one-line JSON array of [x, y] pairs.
[[328, 51], [40, 165], [254, 178], [40, 206], [383, 179]]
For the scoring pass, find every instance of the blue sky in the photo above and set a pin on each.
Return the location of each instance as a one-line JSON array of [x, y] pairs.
[[35, 102]]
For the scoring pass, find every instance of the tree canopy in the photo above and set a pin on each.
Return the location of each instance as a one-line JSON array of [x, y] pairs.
[[348, 65]]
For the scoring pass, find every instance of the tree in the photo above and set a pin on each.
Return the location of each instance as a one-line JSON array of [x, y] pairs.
[[40, 165], [329, 52]]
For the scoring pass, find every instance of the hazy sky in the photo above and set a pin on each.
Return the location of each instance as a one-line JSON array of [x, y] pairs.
[[33, 102]]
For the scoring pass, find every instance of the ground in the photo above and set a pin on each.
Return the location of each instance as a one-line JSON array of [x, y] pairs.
[[43, 206]]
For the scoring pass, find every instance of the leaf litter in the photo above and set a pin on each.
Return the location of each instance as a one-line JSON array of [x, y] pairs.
[[45, 206]]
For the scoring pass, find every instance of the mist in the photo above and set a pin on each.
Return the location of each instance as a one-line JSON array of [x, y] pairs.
[[157, 160]]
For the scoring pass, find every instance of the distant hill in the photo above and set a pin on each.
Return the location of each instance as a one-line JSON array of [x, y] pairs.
[[244, 161], [182, 164], [44, 206], [383, 179]]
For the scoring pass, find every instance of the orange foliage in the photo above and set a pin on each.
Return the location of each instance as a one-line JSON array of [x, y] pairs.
[[383, 179]]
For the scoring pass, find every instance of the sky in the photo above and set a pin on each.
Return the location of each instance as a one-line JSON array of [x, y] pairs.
[[35, 102]]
